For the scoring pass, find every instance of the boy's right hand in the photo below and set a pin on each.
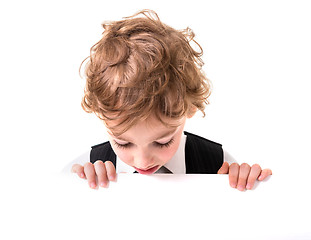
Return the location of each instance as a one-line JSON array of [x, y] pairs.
[[104, 172]]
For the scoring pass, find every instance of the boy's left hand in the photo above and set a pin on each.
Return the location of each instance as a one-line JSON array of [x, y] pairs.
[[243, 176]]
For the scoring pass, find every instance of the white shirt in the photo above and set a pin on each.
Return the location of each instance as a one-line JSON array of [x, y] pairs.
[[177, 165]]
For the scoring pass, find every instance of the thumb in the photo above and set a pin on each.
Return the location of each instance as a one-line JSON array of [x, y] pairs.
[[224, 168]]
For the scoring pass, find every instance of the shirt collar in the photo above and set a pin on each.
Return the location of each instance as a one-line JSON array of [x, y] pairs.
[[176, 165]]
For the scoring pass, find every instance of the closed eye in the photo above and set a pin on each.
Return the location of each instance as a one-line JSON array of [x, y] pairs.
[[161, 145], [127, 145], [156, 144]]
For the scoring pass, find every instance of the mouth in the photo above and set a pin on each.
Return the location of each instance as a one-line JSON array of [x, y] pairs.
[[147, 171]]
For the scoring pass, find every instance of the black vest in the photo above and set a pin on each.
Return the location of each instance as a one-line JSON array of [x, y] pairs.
[[201, 155]]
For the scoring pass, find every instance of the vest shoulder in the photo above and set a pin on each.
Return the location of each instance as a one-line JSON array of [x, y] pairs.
[[202, 155], [103, 152], [194, 137]]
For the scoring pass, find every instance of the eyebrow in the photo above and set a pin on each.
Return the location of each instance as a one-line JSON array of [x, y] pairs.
[[157, 138], [166, 134]]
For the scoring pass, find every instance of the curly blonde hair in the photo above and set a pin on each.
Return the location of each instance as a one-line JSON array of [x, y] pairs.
[[141, 67]]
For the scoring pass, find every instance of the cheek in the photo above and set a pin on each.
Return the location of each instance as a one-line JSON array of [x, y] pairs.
[[165, 154], [124, 155]]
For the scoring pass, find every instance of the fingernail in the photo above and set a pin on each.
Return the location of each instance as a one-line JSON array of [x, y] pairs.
[[233, 185], [93, 185], [81, 175], [249, 186], [241, 188], [102, 184]]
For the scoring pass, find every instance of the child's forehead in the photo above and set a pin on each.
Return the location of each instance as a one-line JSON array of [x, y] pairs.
[[130, 136], [150, 129]]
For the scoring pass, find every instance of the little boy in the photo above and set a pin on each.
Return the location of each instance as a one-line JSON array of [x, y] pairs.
[[144, 80]]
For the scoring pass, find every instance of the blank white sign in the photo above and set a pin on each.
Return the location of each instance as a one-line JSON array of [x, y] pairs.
[[155, 207]]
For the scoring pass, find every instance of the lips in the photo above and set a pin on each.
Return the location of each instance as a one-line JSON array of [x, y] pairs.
[[147, 171]]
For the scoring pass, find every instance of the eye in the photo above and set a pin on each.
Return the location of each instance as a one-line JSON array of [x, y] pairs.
[[127, 145], [161, 145]]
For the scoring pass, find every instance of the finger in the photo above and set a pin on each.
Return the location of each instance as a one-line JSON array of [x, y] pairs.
[[90, 174], [111, 171], [253, 175], [233, 174], [100, 170], [224, 168], [243, 176], [264, 173], [79, 170]]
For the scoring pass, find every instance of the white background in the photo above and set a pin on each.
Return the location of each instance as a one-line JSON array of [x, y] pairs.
[[257, 55]]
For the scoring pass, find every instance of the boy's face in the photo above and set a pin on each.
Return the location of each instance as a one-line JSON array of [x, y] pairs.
[[148, 145]]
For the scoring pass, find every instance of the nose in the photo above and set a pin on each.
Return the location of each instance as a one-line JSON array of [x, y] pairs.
[[143, 160]]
